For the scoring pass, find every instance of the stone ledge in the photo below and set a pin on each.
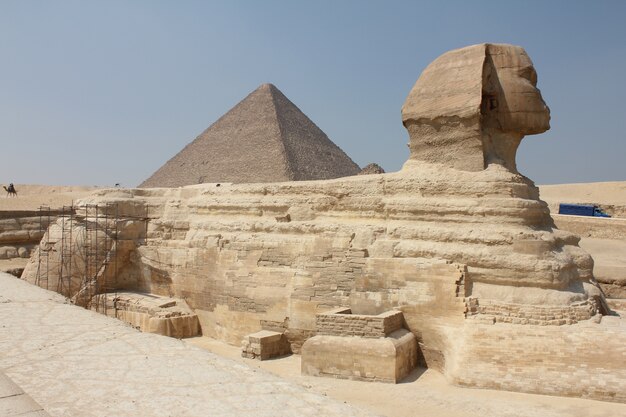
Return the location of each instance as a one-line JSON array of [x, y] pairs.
[[149, 313]]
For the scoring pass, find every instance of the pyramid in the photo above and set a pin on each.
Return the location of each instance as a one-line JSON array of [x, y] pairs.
[[264, 138]]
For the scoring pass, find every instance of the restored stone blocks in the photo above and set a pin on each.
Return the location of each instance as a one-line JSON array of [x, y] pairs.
[[263, 345], [341, 322], [584, 360], [387, 359], [489, 311], [360, 346]]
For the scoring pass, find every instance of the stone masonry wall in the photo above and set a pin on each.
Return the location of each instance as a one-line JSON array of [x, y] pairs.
[[580, 360], [240, 284], [341, 322], [529, 314]]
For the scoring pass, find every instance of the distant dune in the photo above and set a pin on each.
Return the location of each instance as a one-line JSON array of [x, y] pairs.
[[611, 196], [31, 197]]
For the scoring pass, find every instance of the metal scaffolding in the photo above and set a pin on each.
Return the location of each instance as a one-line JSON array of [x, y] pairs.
[[43, 260], [64, 283], [83, 248], [100, 251]]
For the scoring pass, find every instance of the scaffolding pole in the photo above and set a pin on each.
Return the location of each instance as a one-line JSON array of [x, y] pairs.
[[64, 284], [99, 247], [44, 248]]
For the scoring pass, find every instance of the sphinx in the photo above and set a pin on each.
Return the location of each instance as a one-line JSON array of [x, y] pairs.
[[457, 240], [470, 110]]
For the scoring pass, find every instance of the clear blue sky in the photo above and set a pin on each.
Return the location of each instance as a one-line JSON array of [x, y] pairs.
[[99, 92]]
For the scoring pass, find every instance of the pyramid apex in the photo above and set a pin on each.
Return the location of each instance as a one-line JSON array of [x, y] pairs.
[[267, 86]]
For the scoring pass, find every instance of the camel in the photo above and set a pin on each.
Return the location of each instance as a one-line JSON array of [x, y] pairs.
[[10, 191]]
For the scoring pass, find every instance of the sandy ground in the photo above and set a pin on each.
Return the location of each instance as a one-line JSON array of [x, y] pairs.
[[613, 192], [424, 393], [31, 197]]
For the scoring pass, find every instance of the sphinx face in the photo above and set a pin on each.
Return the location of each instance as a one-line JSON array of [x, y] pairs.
[[511, 101]]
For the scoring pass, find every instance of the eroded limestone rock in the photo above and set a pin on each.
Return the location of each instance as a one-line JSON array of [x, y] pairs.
[[149, 313]]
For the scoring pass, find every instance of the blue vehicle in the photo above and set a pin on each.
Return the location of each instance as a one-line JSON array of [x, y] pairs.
[[582, 210]]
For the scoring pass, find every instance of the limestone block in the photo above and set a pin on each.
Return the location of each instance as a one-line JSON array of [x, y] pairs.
[[341, 322], [582, 360], [387, 359], [35, 235], [264, 345], [149, 313]]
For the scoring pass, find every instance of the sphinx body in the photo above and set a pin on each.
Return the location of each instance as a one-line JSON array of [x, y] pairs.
[[457, 240]]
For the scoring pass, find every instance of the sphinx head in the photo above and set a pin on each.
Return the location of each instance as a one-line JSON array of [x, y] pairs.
[[471, 107]]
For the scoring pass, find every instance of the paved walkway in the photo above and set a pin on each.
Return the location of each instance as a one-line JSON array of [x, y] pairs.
[[75, 362], [15, 402]]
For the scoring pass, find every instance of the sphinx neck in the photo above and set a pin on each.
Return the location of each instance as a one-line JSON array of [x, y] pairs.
[[462, 144], [453, 142], [501, 148]]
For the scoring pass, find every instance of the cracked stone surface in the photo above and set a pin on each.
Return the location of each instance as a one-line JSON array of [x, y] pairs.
[[75, 362]]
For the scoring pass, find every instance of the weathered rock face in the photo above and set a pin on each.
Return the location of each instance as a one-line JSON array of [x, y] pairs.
[[457, 240]]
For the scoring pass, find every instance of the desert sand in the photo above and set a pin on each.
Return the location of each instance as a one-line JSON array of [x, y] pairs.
[[612, 192], [31, 197]]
